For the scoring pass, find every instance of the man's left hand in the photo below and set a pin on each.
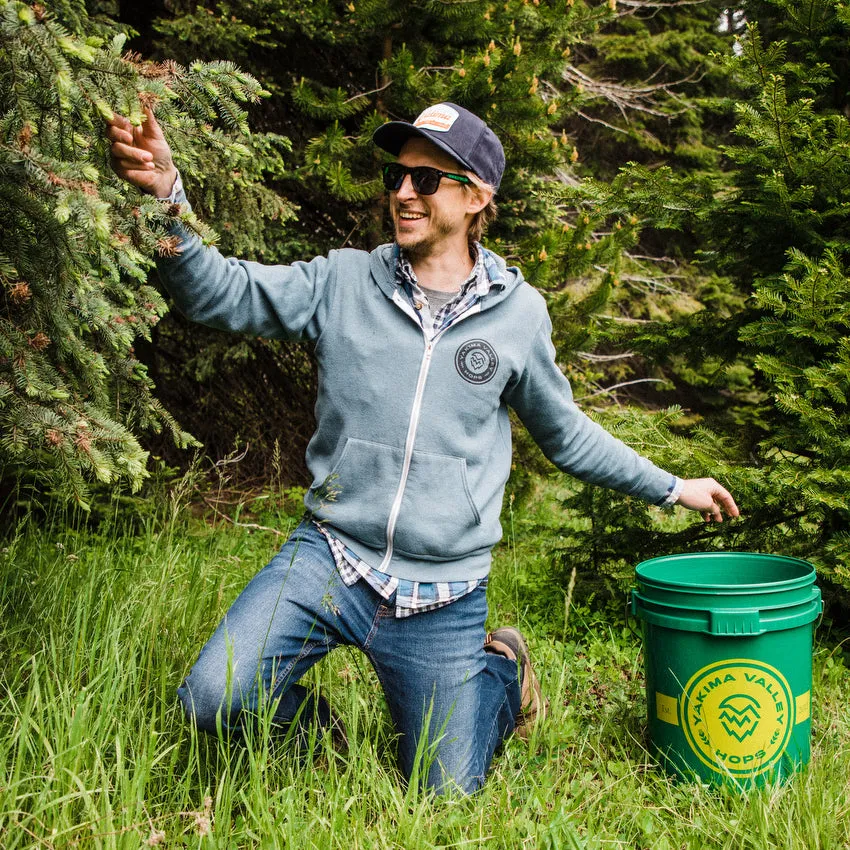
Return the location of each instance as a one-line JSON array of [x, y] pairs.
[[708, 497]]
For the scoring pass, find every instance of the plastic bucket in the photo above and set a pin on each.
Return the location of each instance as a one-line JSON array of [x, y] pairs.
[[728, 649]]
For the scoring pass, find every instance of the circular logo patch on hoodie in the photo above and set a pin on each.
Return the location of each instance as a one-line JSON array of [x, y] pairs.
[[476, 361]]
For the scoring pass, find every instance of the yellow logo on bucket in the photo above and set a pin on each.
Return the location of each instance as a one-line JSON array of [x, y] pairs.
[[737, 715]]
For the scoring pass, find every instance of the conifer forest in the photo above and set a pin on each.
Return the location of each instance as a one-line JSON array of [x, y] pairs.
[[678, 189]]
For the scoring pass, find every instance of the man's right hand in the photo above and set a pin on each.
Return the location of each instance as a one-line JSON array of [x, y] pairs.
[[141, 155]]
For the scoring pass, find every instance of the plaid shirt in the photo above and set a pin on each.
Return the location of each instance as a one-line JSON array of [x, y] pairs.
[[414, 597], [476, 285]]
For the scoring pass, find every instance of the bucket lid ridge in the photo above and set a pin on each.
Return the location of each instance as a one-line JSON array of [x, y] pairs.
[[725, 573]]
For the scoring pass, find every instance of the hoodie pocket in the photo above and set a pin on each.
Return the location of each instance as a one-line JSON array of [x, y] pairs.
[[357, 495], [438, 518]]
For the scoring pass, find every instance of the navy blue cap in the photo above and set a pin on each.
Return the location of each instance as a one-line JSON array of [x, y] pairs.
[[454, 130]]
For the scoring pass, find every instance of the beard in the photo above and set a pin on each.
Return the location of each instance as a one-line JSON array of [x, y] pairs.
[[419, 246]]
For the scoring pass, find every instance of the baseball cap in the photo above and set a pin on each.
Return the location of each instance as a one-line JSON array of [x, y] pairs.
[[454, 130]]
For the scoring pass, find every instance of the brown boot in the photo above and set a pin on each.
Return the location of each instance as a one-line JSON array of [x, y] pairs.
[[509, 643]]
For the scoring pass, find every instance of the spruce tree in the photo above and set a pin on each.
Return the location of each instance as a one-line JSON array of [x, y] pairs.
[[786, 233], [77, 244], [773, 227]]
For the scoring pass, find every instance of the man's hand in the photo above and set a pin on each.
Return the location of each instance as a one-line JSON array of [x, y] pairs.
[[141, 155], [708, 497]]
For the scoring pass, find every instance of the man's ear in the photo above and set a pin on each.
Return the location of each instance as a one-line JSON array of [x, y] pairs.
[[478, 199]]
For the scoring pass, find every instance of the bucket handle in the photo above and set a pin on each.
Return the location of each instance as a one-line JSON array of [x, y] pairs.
[[731, 622]]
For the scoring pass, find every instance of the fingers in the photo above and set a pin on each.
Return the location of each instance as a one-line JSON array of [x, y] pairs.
[[119, 130], [150, 126], [709, 498], [141, 155], [724, 497], [126, 156], [713, 514], [119, 120], [721, 501]]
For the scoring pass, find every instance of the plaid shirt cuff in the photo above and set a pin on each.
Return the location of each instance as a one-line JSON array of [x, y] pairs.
[[673, 493], [176, 189]]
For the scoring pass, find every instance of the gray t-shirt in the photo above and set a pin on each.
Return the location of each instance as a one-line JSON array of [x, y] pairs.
[[437, 300]]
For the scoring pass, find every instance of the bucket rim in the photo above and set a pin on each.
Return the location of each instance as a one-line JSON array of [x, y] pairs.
[[807, 578]]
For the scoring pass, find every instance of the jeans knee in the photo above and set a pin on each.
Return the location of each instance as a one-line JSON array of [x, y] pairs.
[[203, 705]]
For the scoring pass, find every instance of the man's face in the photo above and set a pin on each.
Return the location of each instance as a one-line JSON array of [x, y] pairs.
[[425, 222]]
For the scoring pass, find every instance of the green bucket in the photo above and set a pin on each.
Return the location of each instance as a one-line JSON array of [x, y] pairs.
[[728, 648]]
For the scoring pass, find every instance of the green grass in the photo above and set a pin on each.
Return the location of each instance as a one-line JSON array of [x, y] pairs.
[[98, 629]]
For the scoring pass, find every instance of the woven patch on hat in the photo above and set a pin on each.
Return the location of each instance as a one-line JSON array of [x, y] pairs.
[[439, 118]]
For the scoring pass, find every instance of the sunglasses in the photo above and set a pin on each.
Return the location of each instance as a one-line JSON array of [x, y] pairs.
[[425, 180]]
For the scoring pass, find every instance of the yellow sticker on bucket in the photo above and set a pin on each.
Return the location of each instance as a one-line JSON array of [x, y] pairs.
[[737, 715], [804, 707], [667, 708]]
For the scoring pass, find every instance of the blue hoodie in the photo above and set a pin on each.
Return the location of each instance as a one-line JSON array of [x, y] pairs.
[[412, 446]]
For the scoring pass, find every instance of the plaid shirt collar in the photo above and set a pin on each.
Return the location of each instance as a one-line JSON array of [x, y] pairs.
[[406, 277], [484, 277]]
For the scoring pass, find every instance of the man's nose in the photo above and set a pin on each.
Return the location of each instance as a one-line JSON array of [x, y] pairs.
[[406, 190]]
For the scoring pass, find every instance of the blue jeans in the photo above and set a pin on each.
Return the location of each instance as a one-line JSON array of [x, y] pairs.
[[437, 679]]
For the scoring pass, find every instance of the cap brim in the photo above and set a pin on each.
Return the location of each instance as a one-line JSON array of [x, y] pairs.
[[392, 136]]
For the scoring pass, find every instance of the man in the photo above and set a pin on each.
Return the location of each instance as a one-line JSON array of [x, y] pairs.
[[422, 345]]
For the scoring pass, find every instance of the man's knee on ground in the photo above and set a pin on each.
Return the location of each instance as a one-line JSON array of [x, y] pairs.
[[203, 703]]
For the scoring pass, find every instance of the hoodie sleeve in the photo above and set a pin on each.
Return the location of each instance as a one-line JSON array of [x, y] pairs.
[[543, 400], [284, 302]]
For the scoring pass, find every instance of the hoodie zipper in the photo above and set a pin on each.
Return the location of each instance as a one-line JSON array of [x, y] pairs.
[[408, 451], [413, 425]]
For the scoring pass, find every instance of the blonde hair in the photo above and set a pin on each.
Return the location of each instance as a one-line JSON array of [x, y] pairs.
[[484, 217]]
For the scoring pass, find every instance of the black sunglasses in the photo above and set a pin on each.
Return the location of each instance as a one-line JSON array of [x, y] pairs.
[[425, 180]]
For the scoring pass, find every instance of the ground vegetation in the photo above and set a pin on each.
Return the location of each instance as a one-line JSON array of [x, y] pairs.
[[703, 284]]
